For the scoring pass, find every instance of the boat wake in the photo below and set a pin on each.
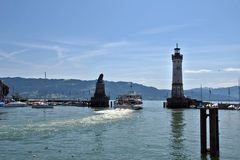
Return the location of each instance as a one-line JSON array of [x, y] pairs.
[[102, 116], [48, 128]]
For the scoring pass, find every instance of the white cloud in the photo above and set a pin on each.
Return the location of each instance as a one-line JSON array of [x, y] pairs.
[[100, 50], [198, 71], [115, 44], [10, 55], [222, 83], [230, 69], [86, 55], [169, 28], [221, 48], [75, 42], [59, 51]]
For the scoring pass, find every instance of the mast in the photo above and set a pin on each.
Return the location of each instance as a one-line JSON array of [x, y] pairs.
[[229, 95], [45, 78], [13, 90], [239, 90], [210, 92], [2, 94], [131, 86]]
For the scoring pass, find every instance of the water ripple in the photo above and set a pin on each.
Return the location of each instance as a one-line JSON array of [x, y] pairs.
[[14, 132]]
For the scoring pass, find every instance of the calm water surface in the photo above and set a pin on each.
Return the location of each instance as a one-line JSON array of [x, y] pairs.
[[81, 133]]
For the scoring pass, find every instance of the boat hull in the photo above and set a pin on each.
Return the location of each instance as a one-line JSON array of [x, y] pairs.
[[15, 104], [2, 104], [133, 107]]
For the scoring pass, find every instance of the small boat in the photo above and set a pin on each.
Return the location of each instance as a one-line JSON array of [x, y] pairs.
[[41, 105], [132, 100], [16, 104], [2, 104]]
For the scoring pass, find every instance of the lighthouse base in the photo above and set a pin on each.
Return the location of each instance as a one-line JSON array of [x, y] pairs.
[[181, 102]]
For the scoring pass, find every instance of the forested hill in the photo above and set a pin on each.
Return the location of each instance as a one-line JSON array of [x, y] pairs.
[[60, 88]]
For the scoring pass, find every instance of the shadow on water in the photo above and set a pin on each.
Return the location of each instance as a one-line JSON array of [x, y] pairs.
[[100, 108], [98, 132], [208, 157], [177, 137], [2, 115]]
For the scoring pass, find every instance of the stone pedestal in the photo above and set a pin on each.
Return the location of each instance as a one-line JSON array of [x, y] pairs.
[[182, 102], [4, 90], [178, 103], [100, 99]]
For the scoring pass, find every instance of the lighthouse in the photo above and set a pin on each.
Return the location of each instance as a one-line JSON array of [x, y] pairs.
[[177, 100], [177, 83]]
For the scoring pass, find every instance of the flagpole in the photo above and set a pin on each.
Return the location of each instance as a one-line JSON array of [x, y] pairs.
[[210, 92]]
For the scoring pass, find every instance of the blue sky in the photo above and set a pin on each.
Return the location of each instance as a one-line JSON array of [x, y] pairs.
[[127, 40]]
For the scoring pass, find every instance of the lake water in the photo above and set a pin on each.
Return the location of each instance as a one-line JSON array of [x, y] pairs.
[[67, 132]]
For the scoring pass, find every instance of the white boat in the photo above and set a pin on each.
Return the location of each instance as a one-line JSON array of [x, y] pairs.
[[2, 104], [132, 100], [16, 104], [41, 105]]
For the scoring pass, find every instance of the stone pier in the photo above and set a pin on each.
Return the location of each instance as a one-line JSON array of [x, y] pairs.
[[4, 90]]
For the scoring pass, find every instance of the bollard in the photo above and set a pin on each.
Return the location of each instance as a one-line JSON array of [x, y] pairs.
[[214, 131], [203, 130], [111, 104]]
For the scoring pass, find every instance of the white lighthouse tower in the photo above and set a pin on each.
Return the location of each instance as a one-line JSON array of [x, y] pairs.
[[177, 83]]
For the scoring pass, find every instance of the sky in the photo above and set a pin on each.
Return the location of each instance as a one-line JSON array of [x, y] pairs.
[[126, 40]]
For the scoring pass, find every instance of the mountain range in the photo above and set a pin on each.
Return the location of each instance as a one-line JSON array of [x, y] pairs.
[[84, 89]]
